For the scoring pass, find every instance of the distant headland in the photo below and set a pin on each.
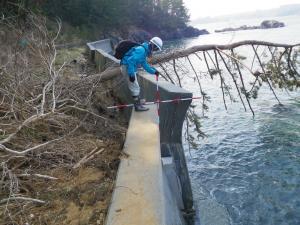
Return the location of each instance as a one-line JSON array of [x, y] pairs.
[[266, 24]]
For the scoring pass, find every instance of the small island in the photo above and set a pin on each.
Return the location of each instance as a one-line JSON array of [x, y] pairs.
[[266, 24]]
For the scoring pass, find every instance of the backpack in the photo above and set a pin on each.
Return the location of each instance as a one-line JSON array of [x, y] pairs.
[[123, 47]]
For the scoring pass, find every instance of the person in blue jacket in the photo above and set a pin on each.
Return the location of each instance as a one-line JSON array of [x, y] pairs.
[[134, 58]]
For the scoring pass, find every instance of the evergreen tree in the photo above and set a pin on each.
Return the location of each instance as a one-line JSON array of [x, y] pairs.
[[157, 16]]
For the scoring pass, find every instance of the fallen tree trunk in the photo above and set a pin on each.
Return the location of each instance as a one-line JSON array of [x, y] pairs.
[[111, 73], [186, 52]]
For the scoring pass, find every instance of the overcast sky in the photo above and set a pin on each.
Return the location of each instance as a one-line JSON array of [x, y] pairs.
[[203, 8]]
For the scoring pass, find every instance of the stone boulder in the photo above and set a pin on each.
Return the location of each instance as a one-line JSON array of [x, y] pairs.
[[267, 24]]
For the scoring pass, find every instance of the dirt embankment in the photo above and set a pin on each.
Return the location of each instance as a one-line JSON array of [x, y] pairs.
[[71, 145]]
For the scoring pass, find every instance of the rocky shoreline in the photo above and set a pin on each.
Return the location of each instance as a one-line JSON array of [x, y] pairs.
[[186, 32], [266, 24]]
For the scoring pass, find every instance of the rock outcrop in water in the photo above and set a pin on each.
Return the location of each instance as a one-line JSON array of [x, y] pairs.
[[185, 32], [266, 24]]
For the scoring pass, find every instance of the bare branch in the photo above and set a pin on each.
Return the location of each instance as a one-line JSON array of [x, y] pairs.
[[176, 73], [4, 148], [243, 84], [199, 84], [207, 65], [6, 200], [233, 78], [263, 69], [37, 175], [25, 123], [166, 72], [218, 71], [88, 157]]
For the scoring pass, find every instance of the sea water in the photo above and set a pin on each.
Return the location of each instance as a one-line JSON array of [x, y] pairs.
[[247, 170]]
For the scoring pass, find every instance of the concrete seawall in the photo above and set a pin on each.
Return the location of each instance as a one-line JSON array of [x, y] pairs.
[[152, 186]]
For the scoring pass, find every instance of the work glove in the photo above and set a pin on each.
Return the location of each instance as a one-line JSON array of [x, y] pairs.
[[132, 78], [156, 73]]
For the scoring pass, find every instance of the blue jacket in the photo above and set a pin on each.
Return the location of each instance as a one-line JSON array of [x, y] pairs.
[[136, 57]]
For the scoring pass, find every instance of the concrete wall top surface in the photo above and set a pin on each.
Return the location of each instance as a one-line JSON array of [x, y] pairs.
[[105, 48], [138, 197], [144, 191]]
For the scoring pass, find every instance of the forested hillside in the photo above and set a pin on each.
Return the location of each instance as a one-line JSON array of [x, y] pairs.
[[92, 19]]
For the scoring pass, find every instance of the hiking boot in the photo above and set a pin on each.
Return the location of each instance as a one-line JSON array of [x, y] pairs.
[[139, 105], [140, 108]]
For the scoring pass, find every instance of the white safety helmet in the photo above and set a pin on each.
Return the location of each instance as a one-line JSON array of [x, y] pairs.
[[157, 42]]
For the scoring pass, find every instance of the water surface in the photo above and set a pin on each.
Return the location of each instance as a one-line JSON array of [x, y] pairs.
[[247, 172]]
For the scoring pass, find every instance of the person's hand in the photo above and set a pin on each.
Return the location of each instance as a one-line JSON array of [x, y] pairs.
[[132, 78], [156, 73]]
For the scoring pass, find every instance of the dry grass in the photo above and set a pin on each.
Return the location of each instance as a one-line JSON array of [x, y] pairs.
[[49, 121]]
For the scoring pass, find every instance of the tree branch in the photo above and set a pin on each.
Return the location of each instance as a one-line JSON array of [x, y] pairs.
[[185, 52], [6, 200]]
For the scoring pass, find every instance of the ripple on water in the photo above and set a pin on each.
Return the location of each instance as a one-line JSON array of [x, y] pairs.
[[252, 167]]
